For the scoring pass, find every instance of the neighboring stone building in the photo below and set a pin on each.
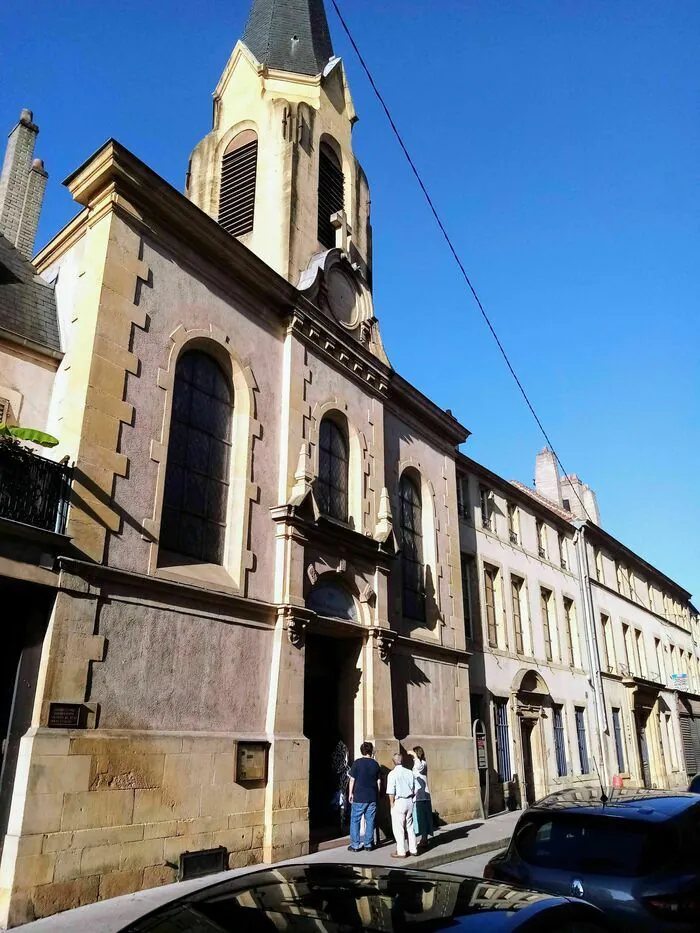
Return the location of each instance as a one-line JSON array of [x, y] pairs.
[[528, 673], [246, 463], [586, 657]]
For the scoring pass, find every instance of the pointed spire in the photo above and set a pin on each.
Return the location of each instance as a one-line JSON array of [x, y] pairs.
[[303, 476], [289, 35], [384, 525]]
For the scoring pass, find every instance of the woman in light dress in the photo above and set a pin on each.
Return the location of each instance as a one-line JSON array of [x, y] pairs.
[[423, 806]]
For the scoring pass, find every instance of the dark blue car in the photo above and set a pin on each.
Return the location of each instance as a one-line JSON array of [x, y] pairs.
[[636, 856], [330, 898]]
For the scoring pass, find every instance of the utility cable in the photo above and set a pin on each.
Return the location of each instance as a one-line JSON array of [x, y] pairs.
[[452, 249]]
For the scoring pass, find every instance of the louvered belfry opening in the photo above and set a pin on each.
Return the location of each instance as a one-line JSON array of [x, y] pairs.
[[331, 194], [237, 193]]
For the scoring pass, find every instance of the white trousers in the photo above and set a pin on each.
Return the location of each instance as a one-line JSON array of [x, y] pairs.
[[402, 825]]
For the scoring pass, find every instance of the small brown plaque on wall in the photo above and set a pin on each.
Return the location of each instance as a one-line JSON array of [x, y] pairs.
[[251, 762], [67, 716]]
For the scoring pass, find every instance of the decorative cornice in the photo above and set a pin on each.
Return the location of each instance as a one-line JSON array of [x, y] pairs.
[[254, 609], [115, 174], [418, 647], [314, 328]]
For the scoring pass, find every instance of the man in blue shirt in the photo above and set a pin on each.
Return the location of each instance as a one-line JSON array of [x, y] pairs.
[[363, 794]]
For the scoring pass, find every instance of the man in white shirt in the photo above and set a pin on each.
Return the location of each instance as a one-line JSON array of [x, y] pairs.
[[401, 789]]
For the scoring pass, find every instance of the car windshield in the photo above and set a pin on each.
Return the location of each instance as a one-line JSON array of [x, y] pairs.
[[597, 844], [340, 899]]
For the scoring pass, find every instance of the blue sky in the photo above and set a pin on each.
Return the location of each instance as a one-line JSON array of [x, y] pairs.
[[561, 142]]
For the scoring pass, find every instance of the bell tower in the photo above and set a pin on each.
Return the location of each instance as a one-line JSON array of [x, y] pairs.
[[277, 169]]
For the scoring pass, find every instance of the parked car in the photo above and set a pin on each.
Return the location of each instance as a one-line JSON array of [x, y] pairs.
[[335, 899], [636, 856], [694, 786]]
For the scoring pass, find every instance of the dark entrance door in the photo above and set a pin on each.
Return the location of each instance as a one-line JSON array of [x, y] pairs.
[[331, 682], [25, 620], [526, 727], [641, 719]]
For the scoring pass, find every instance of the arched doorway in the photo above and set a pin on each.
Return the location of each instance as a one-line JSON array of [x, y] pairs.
[[533, 700], [332, 702]]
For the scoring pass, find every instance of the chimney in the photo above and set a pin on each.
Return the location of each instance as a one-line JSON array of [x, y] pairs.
[[547, 476], [579, 499], [22, 185]]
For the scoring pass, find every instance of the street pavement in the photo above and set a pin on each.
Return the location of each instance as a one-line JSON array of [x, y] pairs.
[[453, 843], [473, 866]]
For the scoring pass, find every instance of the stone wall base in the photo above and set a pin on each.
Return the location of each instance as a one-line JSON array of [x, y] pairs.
[[102, 813]]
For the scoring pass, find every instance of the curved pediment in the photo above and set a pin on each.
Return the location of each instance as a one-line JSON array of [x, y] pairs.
[[338, 287]]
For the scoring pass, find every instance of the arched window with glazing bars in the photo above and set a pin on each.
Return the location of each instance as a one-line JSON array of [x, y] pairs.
[[195, 498], [412, 567], [332, 486]]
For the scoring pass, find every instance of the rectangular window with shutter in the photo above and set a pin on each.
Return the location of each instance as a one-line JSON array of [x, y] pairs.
[[486, 502], [581, 738], [545, 603], [608, 644], [559, 741], [490, 577], [599, 571], [500, 711], [467, 564], [541, 530], [619, 743], [513, 523], [516, 585], [569, 622]]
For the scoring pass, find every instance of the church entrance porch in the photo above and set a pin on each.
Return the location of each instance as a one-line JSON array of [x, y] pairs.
[[332, 724]]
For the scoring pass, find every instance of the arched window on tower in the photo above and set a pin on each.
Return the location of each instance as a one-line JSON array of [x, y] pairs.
[[412, 568], [332, 486], [237, 193], [331, 193], [195, 499]]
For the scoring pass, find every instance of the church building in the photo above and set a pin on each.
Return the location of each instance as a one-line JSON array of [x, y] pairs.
[[261, 553]]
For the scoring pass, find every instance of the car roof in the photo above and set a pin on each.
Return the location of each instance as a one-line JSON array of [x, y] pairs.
[[654, 806], [136, 911]]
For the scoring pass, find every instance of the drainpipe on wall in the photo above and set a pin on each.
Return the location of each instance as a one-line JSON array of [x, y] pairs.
[[596, 679]]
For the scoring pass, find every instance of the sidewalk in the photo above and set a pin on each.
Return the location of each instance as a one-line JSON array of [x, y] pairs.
[[450, 844]]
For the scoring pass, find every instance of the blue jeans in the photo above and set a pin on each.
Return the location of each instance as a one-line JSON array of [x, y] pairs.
[[368, 810]]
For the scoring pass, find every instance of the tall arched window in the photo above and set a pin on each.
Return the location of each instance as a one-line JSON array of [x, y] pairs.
[[237, 192], [332, 486], [331, 194], [199, 449], [412, 570]]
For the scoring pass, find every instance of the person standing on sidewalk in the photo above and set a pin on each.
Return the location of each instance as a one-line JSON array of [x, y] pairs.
[[363, 793], [423, 807], [401, 790]]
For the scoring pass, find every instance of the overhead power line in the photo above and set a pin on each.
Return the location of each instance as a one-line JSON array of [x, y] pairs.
[[452, 249]]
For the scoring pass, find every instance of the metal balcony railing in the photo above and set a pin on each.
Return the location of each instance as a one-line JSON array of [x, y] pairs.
[[33, 490]]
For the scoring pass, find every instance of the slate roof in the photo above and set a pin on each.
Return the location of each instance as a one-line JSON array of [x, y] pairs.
[[290, 35], [27, 302], [543, 500]]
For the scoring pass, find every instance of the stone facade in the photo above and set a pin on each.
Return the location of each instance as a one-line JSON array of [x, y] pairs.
[[176, 662]]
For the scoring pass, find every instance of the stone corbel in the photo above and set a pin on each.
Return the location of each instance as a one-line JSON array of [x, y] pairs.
[[385, 640], [295, 621], [367, 594], [296, 630]]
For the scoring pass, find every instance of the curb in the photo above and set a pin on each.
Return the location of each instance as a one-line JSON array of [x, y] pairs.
[[456, 855]]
